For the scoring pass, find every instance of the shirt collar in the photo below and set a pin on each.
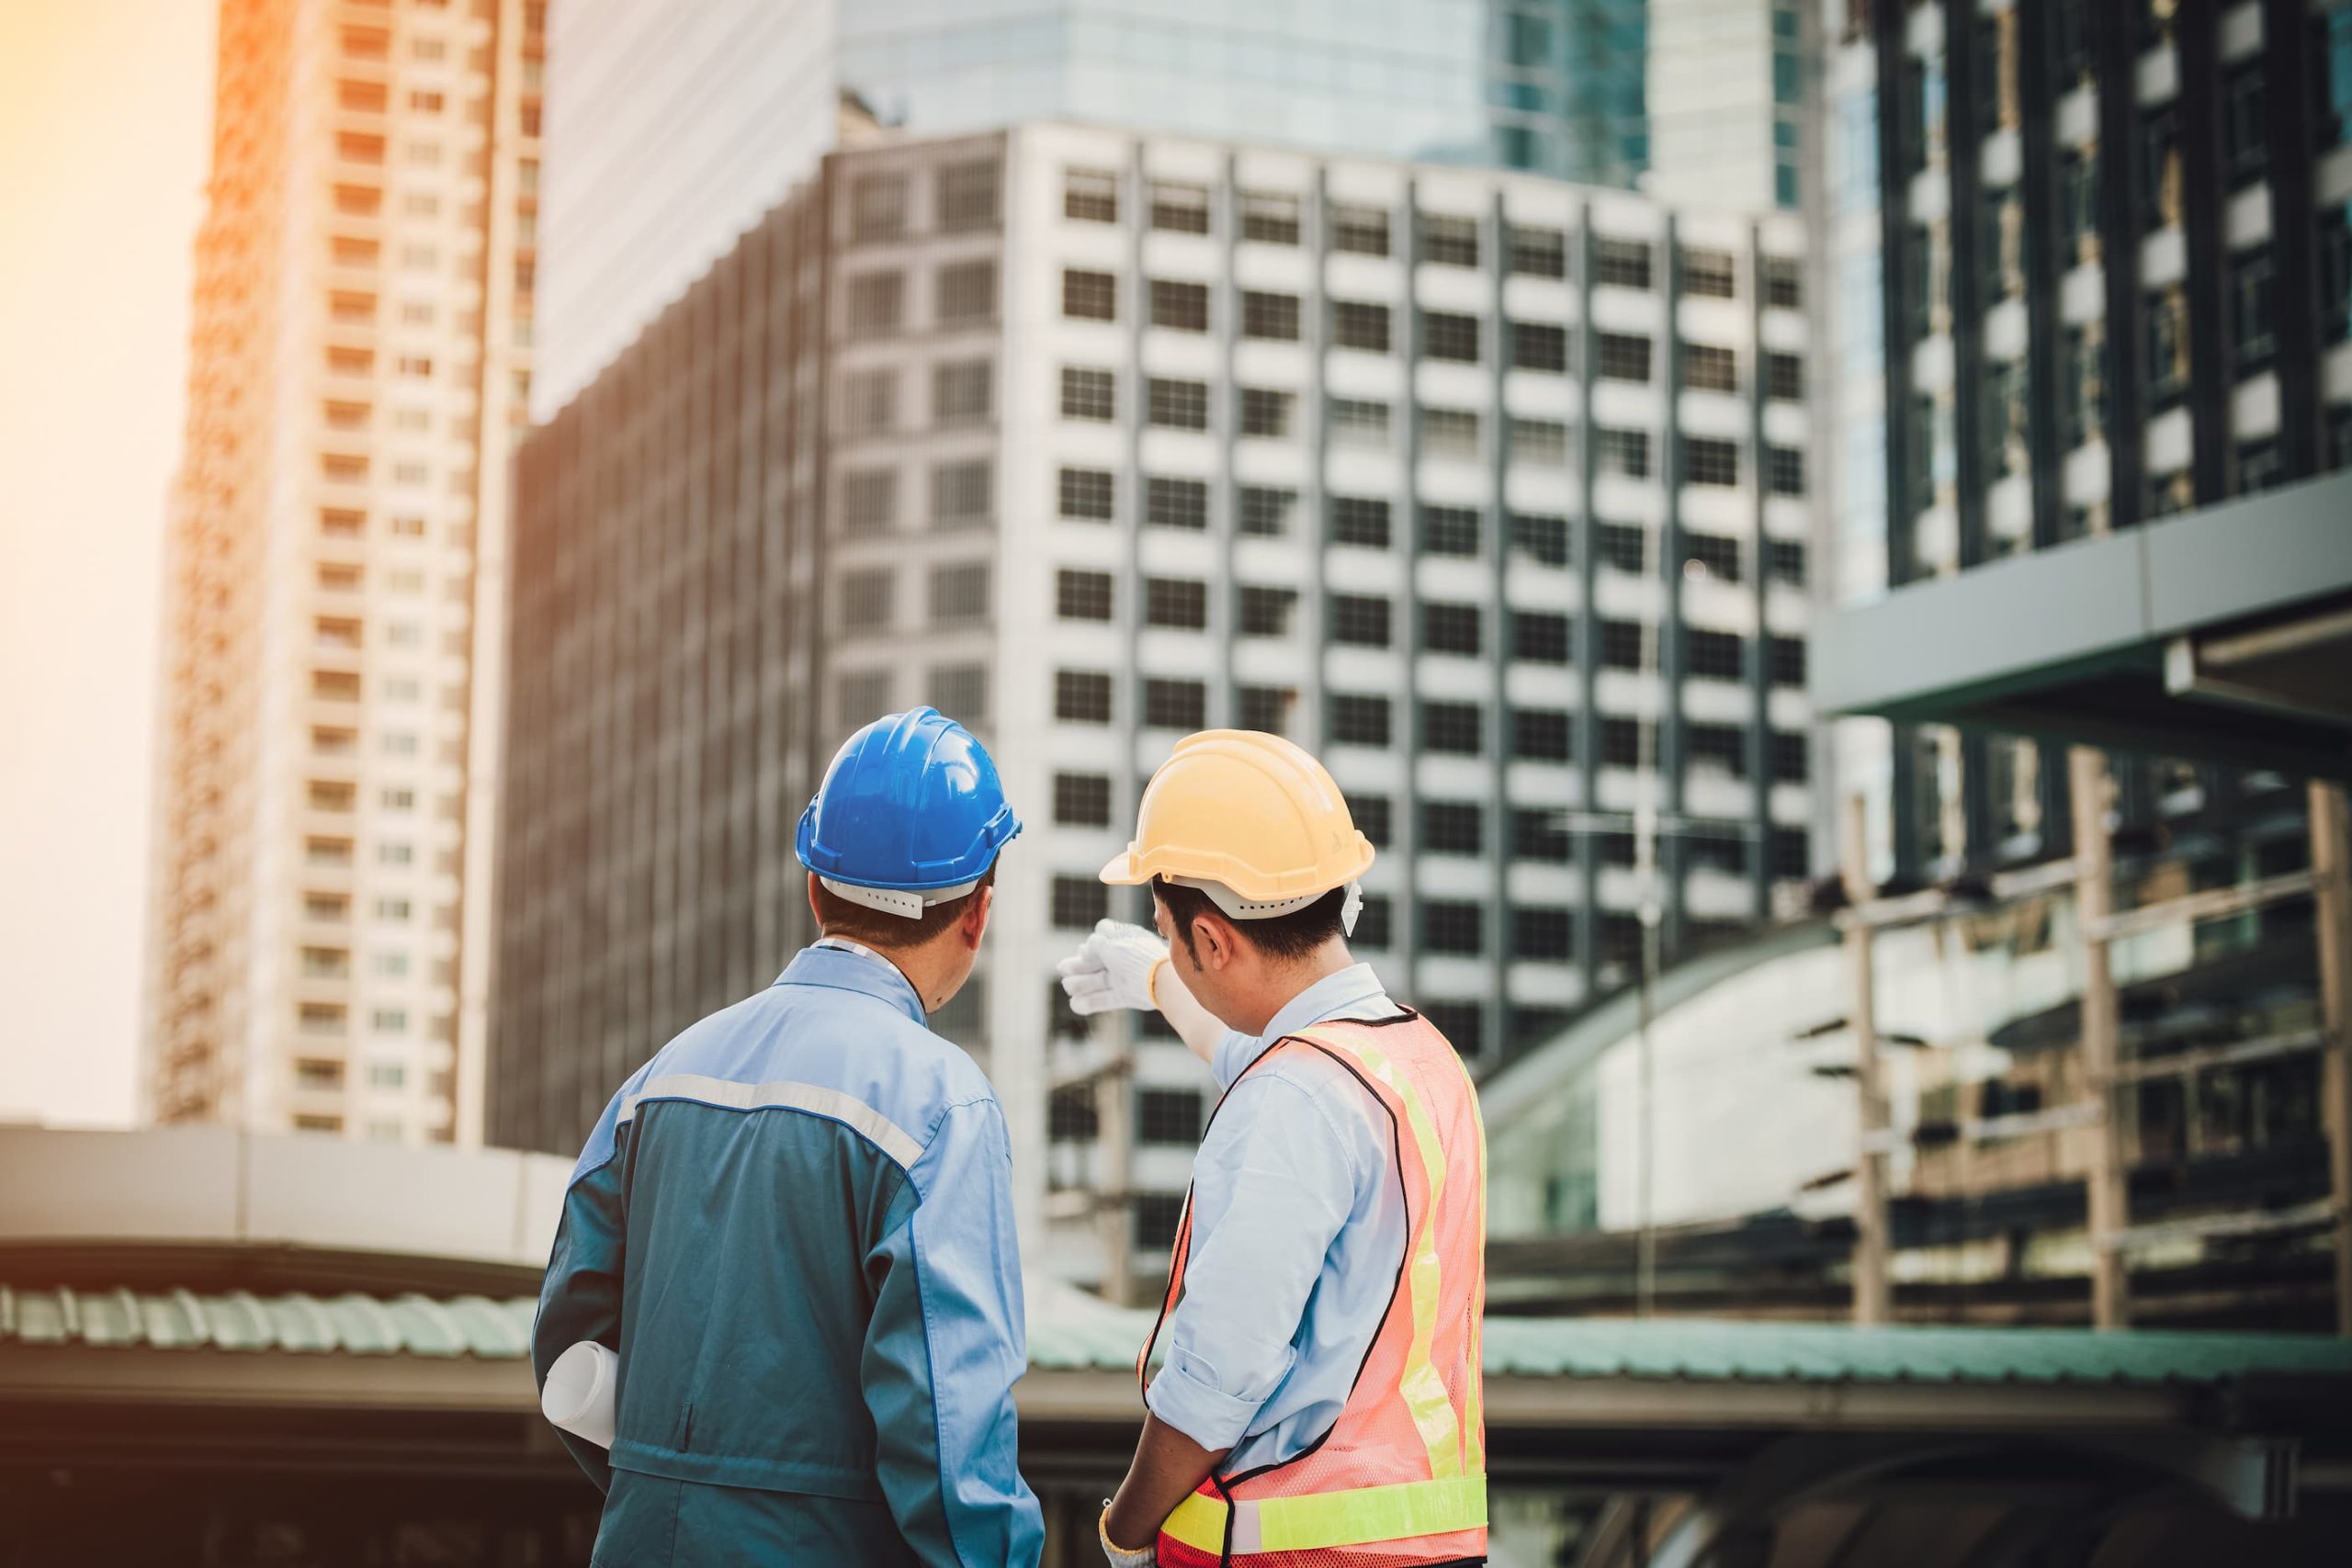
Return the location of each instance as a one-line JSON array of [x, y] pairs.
[[845, 965], [1355, 991]]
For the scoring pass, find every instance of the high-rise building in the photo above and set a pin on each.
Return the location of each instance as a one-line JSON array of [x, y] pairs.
[[1492, 490], [336, 597], [675, 128], [1730, 102]]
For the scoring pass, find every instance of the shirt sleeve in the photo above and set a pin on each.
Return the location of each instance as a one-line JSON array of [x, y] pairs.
[[1272, 1184], [945, 1348], [579, 1298]]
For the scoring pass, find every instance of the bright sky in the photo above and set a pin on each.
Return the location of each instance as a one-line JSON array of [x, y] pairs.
[[105, 120]]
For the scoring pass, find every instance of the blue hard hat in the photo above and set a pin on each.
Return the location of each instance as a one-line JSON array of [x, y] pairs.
[[911, 803]]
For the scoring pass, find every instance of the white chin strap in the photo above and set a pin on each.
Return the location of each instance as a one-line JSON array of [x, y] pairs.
[[1239, 908], [905, 903]]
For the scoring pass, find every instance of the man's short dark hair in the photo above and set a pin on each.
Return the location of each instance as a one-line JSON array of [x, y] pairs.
[[836, 916], [1290, 936]]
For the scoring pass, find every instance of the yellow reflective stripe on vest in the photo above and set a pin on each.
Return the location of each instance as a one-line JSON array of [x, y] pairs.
[[1474, 1406], [1407, 1511], [1421, 1386]]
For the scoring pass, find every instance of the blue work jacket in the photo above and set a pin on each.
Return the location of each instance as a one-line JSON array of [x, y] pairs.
[[795, 1227]]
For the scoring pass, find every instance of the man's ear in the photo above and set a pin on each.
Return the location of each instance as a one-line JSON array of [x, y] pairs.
[[1221, 947], [974, 921]]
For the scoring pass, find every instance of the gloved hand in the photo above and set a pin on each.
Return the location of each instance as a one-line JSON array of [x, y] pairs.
[[1113, 969], [1116, 1555]]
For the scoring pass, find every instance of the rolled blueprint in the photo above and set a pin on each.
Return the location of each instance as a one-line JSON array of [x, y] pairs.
[[579, 1392]]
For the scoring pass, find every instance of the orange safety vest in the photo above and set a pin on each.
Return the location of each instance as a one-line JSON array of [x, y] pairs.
[[1401, 1476]]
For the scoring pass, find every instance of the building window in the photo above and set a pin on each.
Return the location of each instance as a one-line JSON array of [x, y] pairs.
[[1156, 1215], [1710, 462], [1069, 1114], [866, 599], [1625, 263], [1787, 661], [1180, 306], [1625, 453], [1081, 696], [1176, 503], [1621, 645], [1783, 281], [1270, 316], [959, 594], [1783, 377], [2246, 135], [1361, 231], [869, 500], [1451, 628], [1539, 836], [1714, 656], [1079, 902], [1167, 1116], [1180, 208], [1448, 241], [1540, 637], [1709, 368], [866, 692], [1449, 335], [1088, 394], [2258, 466], [1082, 595], [1177, 405], [877, 206], [1089, 296], [961, 492], [1086, 494], [1265, 611], [1540, 735], [1266, 412], [1180, 602], [966, 292], [1373, 813], [1360, 620], [1538, 253], [1082, 800], [1359, 324], [878, 303], [1269, 216], [1791, 759], [1541, 536], [1175, 704], [1710, 275], [2250, 315], [1375, 923], [1264, 708], [1536, 346], [1359, 520], [1783, 471], [871, 401], [1450, 530], [1454, 926], [1714, 554], [967, 196], [1357, 421], [1784, 562], [959, 393], [1451, 728], [1451, 432], [1543, 441], [1091, 196], [1625, 357], [1622, 546], [2167, 316], [1362, 721], [961, 691], [1453, 828], [1620, 747], [1541, 932], [1265, 511]]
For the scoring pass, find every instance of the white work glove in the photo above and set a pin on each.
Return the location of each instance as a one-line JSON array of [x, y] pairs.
[[1119, 1556], [1113, 967]]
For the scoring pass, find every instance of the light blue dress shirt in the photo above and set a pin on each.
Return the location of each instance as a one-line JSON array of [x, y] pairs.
[[1298, 1229]]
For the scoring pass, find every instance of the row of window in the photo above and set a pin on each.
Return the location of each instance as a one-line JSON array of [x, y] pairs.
[[1092, 195], [962, 294], [965, 198]]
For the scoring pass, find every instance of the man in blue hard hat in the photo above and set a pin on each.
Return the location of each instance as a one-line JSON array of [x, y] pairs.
[[794, 1225]]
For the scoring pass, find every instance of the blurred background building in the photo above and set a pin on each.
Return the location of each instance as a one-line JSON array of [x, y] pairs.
[[335, 599], [1491, 490]]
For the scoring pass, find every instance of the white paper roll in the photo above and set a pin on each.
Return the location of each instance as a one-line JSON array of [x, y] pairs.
[[579, 1392]]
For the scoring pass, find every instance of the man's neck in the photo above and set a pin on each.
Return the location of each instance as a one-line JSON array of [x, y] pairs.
[[1309, 972], [906, 961]]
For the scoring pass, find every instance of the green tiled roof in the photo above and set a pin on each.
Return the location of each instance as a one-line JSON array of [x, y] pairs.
[[1069, 1331]]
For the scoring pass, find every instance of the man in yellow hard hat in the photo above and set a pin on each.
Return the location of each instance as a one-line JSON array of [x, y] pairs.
[[1320, 1405]]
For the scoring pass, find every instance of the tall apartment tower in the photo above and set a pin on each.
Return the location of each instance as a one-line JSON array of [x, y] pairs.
[[1489, 488], [328, 764], [675, 128]]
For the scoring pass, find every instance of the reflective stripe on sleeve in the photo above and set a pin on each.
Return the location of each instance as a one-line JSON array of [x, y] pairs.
[[830, 1104]]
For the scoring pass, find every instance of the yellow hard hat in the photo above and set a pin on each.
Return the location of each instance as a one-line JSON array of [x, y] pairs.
[[1245, 814]]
